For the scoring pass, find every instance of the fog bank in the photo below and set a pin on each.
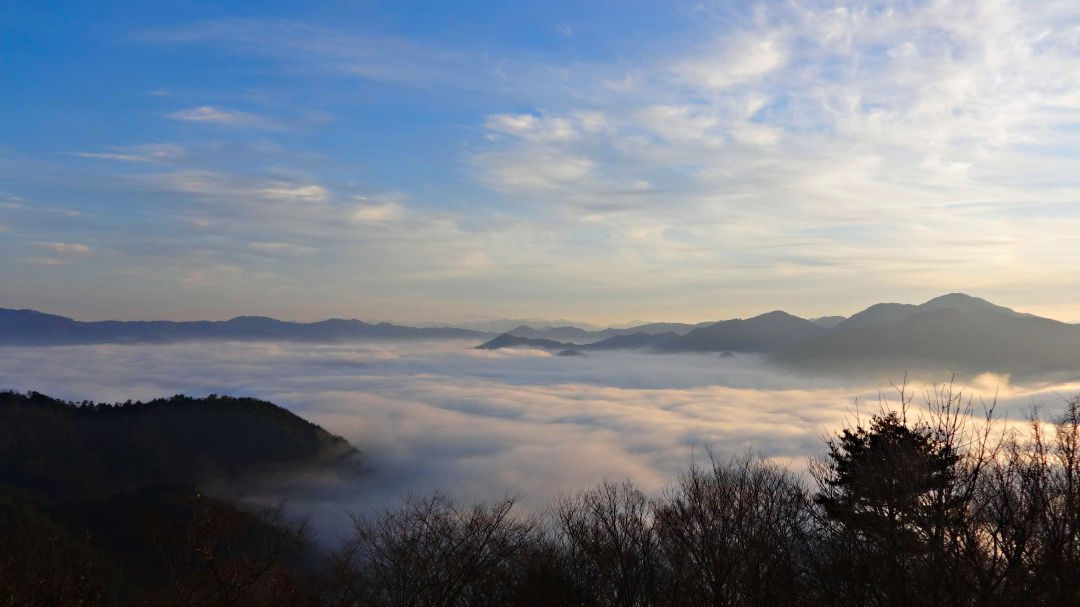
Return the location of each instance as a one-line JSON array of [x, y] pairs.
[[481, 424]]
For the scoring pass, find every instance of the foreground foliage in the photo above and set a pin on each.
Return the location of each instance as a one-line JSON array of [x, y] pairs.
[[933, 508]]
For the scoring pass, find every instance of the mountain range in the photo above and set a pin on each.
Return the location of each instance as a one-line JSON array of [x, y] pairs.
[[32, 328], [954, 332], [957, 332]]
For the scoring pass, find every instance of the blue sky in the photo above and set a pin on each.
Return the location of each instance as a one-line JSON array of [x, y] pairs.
[[597, 161]]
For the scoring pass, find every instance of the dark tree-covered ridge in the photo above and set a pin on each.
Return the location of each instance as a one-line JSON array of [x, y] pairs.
[[61, 450], [105, 504]]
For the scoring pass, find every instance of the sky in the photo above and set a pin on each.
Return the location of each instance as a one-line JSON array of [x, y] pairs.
[[599, 161]]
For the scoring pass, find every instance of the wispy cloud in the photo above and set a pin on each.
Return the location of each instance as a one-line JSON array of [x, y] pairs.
[[150, 152], [211, 115], [371, 211], [59, 253], [314, 49], [64, 248], [743, 58]]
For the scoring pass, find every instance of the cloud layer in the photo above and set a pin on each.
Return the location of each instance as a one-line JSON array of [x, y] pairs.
[[482, 424]]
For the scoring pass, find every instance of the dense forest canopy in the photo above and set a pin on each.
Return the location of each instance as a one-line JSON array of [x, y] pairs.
[[68, 450], [105, 503]]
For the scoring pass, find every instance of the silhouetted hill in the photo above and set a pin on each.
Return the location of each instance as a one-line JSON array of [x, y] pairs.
[[554, 333], [889, 313], [31, 328], [828, 322], [61, 450], [633, 341], [769, 332], [950, 333], [507, 340], [977, 340], [506, 325], [579, 335]]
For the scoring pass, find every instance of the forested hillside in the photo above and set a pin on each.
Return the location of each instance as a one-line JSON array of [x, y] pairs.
[[105, 503]]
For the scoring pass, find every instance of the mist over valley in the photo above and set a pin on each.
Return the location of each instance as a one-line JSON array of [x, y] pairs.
[[481, 422]]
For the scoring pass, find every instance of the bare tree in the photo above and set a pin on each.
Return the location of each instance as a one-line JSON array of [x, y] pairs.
[[609, 546], [431, 552], [729, 533]]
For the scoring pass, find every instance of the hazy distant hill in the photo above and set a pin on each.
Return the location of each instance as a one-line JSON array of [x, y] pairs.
[[945, 338], [579, 335], [953, 332], [828, 322], [31, 328], [506, 325], [888, 313], [507, 340], [633, 341], [769, 332]]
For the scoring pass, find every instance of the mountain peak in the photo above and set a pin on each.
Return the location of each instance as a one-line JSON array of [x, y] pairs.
[[956, 299], [774, 315], [964, 303]]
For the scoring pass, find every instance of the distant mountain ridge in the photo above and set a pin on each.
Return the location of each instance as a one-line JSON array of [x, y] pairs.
[[568, 333], [506, 340], [32, 328], [770, 332], [886, 313], [954, 332], [26, 327]]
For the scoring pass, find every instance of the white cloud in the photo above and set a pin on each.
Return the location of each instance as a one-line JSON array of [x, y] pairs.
[[64, 248], [212, 115], [741, 59], [533, 128], [151, 152], [308, 193], [59, 253], [111, 156], [377, 212], [534, 172], [279, 247], [679, 123], [229, 188]]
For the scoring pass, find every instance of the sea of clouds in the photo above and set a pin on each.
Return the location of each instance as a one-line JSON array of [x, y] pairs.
[[485, 424]]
